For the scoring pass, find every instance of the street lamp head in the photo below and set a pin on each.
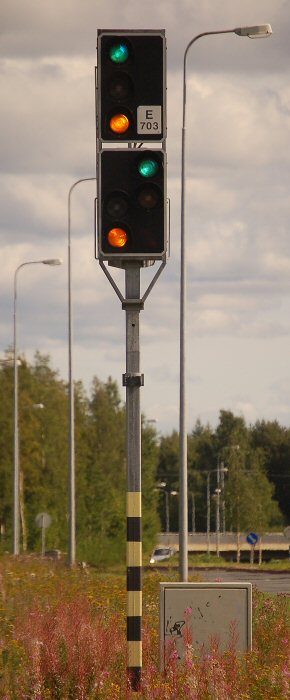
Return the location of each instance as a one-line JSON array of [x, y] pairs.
[[52, 261], [261, 31]]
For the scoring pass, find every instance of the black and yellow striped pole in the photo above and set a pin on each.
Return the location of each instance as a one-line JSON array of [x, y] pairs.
[[133, 380], [134, 588]]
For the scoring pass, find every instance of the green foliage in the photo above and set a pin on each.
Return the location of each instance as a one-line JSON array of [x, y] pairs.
[[231, 431], [252, 498], [256, 460], [104, 518], [168, 473], [100, 459], [6, 449], [201, 460], [274, 441], [149, 458]]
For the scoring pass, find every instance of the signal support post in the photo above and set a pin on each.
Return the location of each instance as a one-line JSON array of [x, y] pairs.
[[131, 233]]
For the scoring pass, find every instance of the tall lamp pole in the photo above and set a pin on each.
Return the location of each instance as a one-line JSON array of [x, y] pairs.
[[208, 512], [218, 493], [219, 471], [72, 517], [257, 31], [16, 470]]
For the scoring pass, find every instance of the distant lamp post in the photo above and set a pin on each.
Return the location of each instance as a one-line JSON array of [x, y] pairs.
[[218, 471], [218, 497], [193, 512], [167, 506], [223, 504], [16, 509], [220, 479], [221, 471], [167, 493], [259, 31]]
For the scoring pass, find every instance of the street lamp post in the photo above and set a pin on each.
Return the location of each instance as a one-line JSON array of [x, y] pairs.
[[193, 512], [208, 512], [223, 470], [218, 472], [167, 493], [16, 471], [218, 494], [72, 522], [257, 31], [167, 516], [223, 505]]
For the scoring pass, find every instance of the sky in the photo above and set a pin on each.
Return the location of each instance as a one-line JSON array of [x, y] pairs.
[[237, 204]]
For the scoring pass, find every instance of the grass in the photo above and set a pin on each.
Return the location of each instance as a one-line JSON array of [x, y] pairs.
[[213, 560], [200, 560], [62, 637]]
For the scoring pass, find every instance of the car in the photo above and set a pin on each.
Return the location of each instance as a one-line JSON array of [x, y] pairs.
[[161, 553], [53, 553]]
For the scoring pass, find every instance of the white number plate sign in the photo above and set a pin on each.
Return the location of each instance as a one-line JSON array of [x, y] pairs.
[[149, 119]]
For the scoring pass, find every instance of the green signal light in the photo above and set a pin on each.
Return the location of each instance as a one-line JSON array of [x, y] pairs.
[[148, 167], [119, 53]]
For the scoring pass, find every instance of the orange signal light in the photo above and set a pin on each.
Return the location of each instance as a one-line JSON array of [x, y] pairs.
[[117, 237], [119, 123]]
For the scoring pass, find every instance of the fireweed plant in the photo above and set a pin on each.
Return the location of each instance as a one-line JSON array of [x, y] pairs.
[[62, 637]]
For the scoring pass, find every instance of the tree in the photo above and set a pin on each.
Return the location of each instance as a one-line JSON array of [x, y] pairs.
[[6, 450], [105, 476], [250, 506], [274, 441], [201, 460], [149, 461], [42, 450]]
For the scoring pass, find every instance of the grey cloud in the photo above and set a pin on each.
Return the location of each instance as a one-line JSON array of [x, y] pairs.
[[237, 204], [38, 29]]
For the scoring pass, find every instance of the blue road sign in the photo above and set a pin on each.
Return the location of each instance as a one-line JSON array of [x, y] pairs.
[[252, 538]]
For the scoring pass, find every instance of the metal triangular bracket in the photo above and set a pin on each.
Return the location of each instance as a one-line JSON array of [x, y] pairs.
[[131, 302]]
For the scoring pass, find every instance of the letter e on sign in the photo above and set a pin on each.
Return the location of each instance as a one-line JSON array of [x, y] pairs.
[[149, 119]]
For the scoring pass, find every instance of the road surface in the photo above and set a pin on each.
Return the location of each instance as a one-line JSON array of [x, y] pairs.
[[266, 581]]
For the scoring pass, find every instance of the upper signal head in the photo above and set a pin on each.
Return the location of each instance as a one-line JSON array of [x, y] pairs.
[[131, 85]]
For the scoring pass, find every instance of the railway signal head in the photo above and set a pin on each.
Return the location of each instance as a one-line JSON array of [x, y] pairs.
[[132, 204], [131, 85]]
